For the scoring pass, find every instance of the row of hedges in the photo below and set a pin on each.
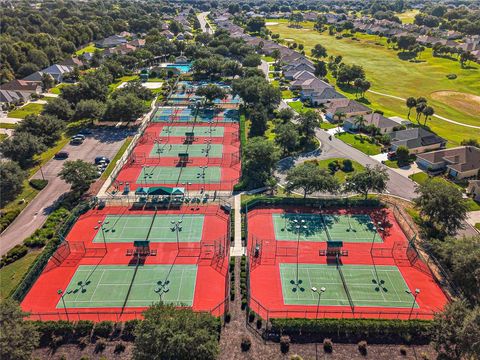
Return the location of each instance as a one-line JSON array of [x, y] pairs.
[[55, 333], [243, 281], [354, 330]]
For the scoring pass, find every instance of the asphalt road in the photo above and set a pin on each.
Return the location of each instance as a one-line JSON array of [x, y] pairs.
[[202, 18], [102, 142]]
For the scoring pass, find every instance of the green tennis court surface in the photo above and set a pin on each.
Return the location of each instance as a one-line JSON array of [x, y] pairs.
[[362, 283], [202, 131], [326, 227], [177, 175], [193, 150], [108, 286], [128, 228]]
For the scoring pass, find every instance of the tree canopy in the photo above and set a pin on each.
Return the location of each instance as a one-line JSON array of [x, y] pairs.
[[259, 159], [311, 178], [78, 173], [372, 179]]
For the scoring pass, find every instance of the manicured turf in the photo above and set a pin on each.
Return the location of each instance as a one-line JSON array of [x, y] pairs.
[[12, 274], [118, 286], [340, 174], [316, 227], [90, 48], [297, 106], [380, 286], [408, 16], [193, 150], [364, 146], [391, 75], [128, 228], [21, 113], [203, 131], [177, 175]]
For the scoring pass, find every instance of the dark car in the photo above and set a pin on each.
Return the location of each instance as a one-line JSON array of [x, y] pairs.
[[99, 159], [62, 155]]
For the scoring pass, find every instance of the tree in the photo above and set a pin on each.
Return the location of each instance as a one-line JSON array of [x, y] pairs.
[[259, 159], [252, 60], [285, 114], [419, 110], [403, 155], [18, 337], [287, 137], [359, 122], [462, 257], [311, 178], [456, 330], [47, 81], [372, 179], [361, 86], [12, 180], [170, 333], [320, 68], [308, 122], [58, 107], [79, 174], [411, 102], [258, 118], [88, 109], [124, 108], [211, 92], [319, 51], [348, 73], [255, 24], [442, 204], [428, 111], [21, 148], [46, 128], [405, 42]]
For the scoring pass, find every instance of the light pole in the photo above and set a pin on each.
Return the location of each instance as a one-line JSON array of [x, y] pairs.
[[60, 292], [375, 228], [102, 229], [417, 291], [177, 226], [297, 281], [162, 288], [319, 293]]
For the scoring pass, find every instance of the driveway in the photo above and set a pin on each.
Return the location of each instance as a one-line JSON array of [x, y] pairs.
[[264, 66], [104, 142], [202, 18]]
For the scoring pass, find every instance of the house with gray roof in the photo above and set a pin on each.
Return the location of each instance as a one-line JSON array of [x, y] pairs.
[[289, 74], [416, 140], [110, 42], [385, 124], [324, 96], [56, 71], [345, 108], [460, 162]]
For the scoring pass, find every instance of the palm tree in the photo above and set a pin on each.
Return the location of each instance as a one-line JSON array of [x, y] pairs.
[[419, 110], [411, 103], [360, 122], [428, 112]]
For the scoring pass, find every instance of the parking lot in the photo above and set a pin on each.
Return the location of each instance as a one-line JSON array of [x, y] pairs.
[[101, 142]]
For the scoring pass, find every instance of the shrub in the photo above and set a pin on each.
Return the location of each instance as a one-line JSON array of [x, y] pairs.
[[362, 347], [403, 350], [228, 317], [56, 341], [83, 328], [83, 342], [327, 345], [296, 357], [347, 165], [128, 332], [246, 343], [284, 344], [103, 329], [251, 316], [7, 218], [259, 323], [451, 76], [120, 347], [15, 253], [100, 345], [232, 294], [38, 184], [333, 166], [232, 264], [244, 304]]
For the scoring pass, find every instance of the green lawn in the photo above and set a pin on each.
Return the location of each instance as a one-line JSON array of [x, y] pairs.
[[11, 274], [407, 17], [360, 142], [297, 106], [287, 94], [117, 157], [7, 126], [268, 58], [3, 137], [340, 174], [24, 111], [122, 80], [326, 125], [90, 48], [419, 178], [56, 89], [424, 78], [477, 225]]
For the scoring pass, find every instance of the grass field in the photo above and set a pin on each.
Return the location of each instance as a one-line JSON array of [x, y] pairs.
[[364, 146], [121, 80], [340, 174], [297, 106], [382, 286], [24, 111], [424, 78], [90, 48], [118, 286], [11, 275], [7, 126], [407, 17]]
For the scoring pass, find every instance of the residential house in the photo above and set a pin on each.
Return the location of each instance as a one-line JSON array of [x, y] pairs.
[[120, 50], [22, 86], [168, 34], [311, 86], [181, 59], [180, 37], [385, 124], [459, 163], [416, 140], [291, 71], [300, 77], [138, 43], [324, 96], [74, 61], [473, 189], [57, 71], [345, 108], [110, 42], [13, 97]]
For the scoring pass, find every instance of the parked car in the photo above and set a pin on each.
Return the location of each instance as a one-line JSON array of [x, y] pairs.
[[391, 155], [76, 141], [100, 159], [62, 155], [79, 135]]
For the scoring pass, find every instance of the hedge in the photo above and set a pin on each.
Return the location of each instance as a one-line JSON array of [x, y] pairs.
[[354, 330], [38, 184], [15, 253]]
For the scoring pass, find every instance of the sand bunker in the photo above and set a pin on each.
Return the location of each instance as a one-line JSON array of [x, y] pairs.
[[467, 103]]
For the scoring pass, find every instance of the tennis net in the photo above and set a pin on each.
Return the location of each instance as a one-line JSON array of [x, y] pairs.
[[339, 268]]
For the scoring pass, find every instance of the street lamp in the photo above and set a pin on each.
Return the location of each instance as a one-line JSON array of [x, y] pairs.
[[375, 228], [100, 225], [417, 291], [177, 226], [162, 288], [60, 292], [319, 293]]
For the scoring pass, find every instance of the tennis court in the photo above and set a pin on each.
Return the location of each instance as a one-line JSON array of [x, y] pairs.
[[159, 228], [185, 114], [123, 286], [365, 285], [325, 227], [177, 175], [201, 131], [193, 150]]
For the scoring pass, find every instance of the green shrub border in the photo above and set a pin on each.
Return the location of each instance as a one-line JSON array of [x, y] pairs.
[[354, 330]]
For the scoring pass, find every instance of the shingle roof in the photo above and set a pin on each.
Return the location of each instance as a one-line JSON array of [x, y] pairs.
[[414, 138], [461, 158]]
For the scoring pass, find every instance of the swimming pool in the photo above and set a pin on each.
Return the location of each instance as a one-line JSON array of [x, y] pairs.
[[184, 68]]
